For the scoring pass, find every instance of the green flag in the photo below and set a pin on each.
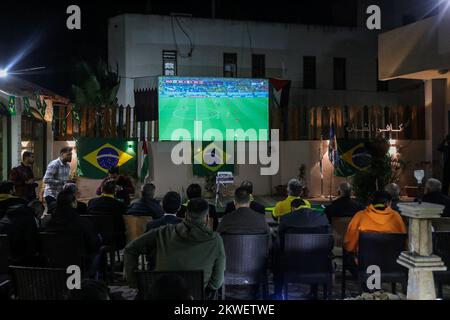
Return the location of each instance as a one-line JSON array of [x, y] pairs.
[[26, 106], [97, 155], [211, 158], [352, 157], [145, 162], [12, 105]]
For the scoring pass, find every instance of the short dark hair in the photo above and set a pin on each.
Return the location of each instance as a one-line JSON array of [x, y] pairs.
[[148, 190], [114, 170], [65, 150], [6, 187], [27, 154], [247, 185], [170, 287], [65, 198], [171, 202], [109, 187], [295, 187], [90, 290], [381, 197], [194, 191], [241, 195], [37, 207], [197, 209]]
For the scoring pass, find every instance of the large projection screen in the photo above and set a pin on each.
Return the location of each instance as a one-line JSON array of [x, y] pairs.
[[224, 104]]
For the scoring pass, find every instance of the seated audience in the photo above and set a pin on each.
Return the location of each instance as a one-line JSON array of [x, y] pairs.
[[302, 216], [81, 206], [7, 197], [171, 205], [378, 217], [195, 191], [433, 194], [294, 190], [344, 206], [19, 224], [247, 185], [124, 186], [394, 191], [243, 220], [189, 245], [66, 220], [147, 205], [107, 204], [170, 287], [91, 290]]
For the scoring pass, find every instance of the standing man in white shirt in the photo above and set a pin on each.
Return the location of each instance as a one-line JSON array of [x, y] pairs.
[[57, 175]]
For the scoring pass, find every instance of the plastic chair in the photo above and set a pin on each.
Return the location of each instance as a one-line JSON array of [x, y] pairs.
[[441, 248], [382, 250], [193, 279], [307, 259], [246, 262], [39, 283]]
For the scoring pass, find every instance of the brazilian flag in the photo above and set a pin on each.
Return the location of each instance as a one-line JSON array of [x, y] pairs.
[[97, 155], [353, 156], [210, 159]]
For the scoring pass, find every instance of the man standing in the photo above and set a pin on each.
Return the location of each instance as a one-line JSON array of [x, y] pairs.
[[57, 175], [444, 147], [124, 186], [23, 178]]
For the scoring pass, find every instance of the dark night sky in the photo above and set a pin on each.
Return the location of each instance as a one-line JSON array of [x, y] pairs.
[[39, 27]]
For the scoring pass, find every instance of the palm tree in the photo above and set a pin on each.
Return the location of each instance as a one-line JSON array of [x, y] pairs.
[[96, 87]]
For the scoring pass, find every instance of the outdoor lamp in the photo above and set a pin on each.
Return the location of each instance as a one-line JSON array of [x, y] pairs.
[[419, 175]]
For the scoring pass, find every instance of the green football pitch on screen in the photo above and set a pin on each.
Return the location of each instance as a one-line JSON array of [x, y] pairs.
[[218, 103]]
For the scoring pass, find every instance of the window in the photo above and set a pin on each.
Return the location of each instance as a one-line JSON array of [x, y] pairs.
[[258, 66], [309, 72], [381, 85], [340, 77], [230, 65], [33, 137], [169, 62]]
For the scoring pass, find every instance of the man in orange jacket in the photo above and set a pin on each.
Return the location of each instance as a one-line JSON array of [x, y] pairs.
[[378, 217]]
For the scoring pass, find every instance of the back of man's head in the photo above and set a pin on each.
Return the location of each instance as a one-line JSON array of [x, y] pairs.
[[109, 187], [241, 197], [394, 190], [6, 187], [433, 185], [170, 287], [295, 187], [65, 199], [148, 190], [197, 209], [381, 199], [37, 207], [171, 202], [345, 189], [71, 187], [247, 185], [194, 191]]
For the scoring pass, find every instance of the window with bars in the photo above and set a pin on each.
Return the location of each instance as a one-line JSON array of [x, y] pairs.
[[258, 66], [340, 74], [309, 72], [169, 62], [230, 65]]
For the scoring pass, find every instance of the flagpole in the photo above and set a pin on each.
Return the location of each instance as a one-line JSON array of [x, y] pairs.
[[321, 165]]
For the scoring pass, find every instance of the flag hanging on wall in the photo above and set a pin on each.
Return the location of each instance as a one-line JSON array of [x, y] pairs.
[[97, 155], [210, 159], [12, 105], [26, 106], [145, 162], [353, 156]]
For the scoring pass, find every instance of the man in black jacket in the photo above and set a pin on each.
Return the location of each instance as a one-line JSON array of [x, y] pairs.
[[433, 194], [147, 205], [255, 206], [243, 220], [344, 206], [171, 205], [106, 204], [7, 197]]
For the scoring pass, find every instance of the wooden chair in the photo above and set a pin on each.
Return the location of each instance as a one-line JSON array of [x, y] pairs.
[[339, 226], [135, 226]]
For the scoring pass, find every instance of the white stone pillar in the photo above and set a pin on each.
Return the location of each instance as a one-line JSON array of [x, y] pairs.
[[420, 259]]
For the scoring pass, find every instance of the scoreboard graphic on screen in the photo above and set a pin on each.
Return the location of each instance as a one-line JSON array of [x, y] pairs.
[[219, 103]]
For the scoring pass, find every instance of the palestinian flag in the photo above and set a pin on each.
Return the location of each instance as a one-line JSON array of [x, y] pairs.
[[145, 162]]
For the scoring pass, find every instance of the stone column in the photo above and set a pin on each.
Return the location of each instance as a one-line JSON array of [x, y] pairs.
[[420, 259]]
